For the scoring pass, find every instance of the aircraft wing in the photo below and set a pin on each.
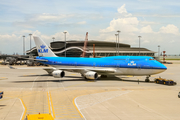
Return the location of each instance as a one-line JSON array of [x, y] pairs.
[[42, 68], [34, 59], [82, 70], [78, 70]]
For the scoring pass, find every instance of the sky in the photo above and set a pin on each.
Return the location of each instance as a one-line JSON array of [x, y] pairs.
[[157, 21]]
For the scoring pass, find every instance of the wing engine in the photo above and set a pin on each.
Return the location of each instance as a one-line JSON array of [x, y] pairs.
[[58, 73], [91, 75]]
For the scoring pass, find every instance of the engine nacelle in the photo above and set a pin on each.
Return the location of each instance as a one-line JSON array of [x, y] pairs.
[[91, 75], [58, 73]]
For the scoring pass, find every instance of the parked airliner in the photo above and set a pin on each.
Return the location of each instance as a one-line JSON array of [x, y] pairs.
[[90, 68]]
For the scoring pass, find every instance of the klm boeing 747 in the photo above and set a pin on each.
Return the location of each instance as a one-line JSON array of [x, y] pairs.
[[90, 68]]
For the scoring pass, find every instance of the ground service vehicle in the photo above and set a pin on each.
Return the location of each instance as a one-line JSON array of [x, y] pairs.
[[164, 81], [1, 95]]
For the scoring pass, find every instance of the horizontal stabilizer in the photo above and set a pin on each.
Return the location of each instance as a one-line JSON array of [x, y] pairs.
[[35, 59]]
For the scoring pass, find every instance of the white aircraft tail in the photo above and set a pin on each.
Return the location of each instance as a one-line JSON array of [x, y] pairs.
[[42, 48]]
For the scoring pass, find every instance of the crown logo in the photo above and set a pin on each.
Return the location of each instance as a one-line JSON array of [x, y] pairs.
[[42, 46]]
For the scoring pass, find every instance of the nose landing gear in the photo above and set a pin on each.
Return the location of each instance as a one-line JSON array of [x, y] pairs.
[[147, 79]]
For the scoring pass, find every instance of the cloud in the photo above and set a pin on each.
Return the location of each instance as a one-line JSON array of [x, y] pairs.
[[169, 29], [126, 23], [144, 0], [10, 43], [7, 36], [122, 9], [36, 33], [131, 27], [146, 29], [50, 17], [22, 32], [123, 24], [148, 23], [82, 23], [23, 24]]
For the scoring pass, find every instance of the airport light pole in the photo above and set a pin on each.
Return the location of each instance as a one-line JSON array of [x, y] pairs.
[[65, 41], [139, 44], [23, 44], [158, 52], [30, 40], [118, 41], [53, 38]]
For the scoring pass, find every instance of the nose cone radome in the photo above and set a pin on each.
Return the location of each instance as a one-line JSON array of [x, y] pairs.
[[163, 67]]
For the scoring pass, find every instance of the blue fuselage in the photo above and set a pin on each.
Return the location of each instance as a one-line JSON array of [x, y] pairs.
[[142, 62]]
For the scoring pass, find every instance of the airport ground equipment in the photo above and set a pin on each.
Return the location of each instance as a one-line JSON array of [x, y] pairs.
[[1, 95], [14, 59], [40, 117], [164, 81]]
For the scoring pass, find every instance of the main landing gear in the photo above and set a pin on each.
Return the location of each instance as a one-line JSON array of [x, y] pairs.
[[147, 78]]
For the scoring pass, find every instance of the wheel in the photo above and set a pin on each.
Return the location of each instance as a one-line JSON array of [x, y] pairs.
[[164, 83], [103, 76], [146, 80]]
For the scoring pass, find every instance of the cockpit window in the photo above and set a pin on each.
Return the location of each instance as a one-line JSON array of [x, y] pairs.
[[151, 59]]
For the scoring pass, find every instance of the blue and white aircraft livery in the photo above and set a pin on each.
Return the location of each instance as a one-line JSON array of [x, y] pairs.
[[90, 68]]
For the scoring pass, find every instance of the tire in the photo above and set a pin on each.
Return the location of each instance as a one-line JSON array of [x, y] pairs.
[[146, 80]]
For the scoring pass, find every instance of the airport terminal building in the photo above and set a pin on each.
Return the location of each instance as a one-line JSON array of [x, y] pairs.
[[74, 48]]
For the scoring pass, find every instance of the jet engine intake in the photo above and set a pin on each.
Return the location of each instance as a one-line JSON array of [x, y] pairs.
[[58, 73], [91, 75]]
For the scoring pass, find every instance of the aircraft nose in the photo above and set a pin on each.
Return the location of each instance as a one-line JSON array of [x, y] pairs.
[[163, 67]]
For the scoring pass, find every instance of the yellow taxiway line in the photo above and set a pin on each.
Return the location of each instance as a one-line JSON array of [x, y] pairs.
[[50, 104], [24, 108], [77, 108], [3, 78]]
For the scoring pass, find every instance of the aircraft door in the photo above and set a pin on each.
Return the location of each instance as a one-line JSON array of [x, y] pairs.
[[127, 59], [118, 65], [94, 64], [139, 66], [75, 64]]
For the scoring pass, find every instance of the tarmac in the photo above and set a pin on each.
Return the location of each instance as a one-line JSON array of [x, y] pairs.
[[73, 98]]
